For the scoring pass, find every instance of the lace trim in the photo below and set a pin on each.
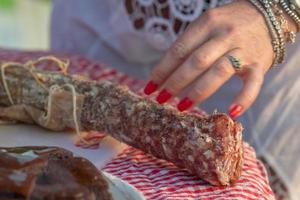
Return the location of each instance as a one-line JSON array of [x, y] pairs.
[[163, 20]]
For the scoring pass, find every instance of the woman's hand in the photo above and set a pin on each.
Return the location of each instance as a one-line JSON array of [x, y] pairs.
[[198, 60]]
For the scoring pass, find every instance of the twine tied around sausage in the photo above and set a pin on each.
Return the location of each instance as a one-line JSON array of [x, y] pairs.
[[29, 66]]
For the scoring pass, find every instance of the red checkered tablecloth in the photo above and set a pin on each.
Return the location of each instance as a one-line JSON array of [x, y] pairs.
[[156, 178]]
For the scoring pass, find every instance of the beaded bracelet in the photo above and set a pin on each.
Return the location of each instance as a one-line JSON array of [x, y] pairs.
[[290, 36], [286, 6], [294, 7], [274, 35], [267, 6]]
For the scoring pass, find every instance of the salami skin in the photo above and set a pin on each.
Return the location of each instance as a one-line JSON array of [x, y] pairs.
[[207, 146]]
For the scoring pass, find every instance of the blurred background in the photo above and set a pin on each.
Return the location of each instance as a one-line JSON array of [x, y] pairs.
[[24, 24]]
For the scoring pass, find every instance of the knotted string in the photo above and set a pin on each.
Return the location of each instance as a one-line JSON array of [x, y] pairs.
[[30, 66], [52, 90]]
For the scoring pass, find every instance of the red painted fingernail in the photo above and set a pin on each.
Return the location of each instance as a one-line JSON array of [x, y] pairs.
[[235, 110], [150, 87], [163, 96], [184, 104]]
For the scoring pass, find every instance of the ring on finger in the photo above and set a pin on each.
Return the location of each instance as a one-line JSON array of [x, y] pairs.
[[235, 62]]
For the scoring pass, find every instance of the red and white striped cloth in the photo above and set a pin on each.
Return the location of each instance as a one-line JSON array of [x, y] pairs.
[[155, 178]]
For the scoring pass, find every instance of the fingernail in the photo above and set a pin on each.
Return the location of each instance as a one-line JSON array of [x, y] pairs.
[[150, 87], [235, 110], [163, 96], [184, 104]]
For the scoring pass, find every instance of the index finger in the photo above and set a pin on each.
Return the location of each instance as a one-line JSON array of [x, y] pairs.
[[194, 36]]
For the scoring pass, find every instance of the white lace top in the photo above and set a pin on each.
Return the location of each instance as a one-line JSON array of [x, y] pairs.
[[162, 21]]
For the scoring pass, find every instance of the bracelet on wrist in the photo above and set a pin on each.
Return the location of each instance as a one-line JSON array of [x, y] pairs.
[[275, 13], [286, 5], [290, 36]]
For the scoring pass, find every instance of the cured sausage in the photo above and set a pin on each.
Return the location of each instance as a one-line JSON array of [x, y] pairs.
[[207, 146]]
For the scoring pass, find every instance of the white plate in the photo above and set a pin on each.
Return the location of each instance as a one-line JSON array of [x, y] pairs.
[[121, 190]]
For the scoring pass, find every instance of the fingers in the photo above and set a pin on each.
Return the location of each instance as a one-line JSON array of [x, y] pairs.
[[194, 36], [194, 66], [248, 94], [209, 82]]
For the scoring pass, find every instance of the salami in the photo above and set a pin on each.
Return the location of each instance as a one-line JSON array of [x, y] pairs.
[[39, 172], [207, 146]]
